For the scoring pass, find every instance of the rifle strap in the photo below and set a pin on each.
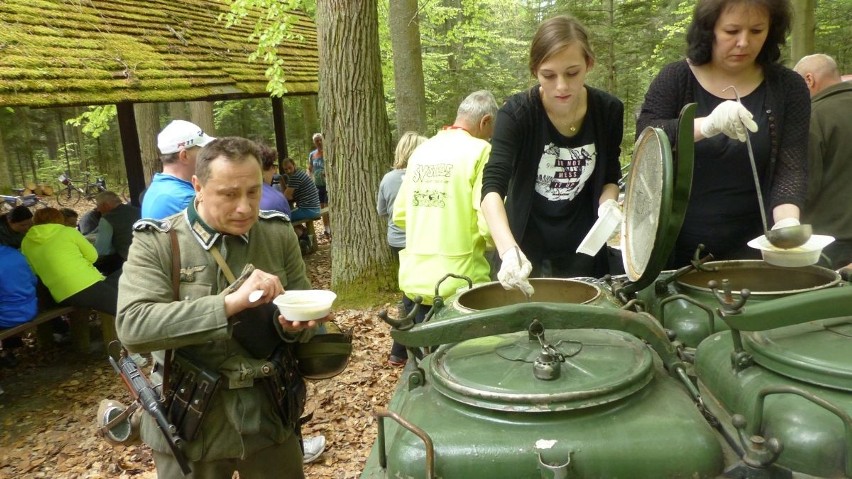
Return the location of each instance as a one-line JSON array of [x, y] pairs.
[[167, 367]]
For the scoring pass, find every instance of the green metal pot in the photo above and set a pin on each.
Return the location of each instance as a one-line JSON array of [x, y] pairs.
[[784, 393], [547, 290], [530, 391], [684, 303]]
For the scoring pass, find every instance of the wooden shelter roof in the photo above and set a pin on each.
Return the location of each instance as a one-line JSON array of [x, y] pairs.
[[88, 52]]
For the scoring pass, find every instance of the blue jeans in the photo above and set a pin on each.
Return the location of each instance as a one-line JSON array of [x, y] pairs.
[[305, 214]]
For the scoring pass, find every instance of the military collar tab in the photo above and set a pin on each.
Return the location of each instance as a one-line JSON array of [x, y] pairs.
[[203, 233]]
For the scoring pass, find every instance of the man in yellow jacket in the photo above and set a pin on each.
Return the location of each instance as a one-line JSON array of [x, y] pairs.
[[438, 206]]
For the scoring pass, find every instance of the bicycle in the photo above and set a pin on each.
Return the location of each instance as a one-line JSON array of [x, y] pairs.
[[9, 202], [69, 194]]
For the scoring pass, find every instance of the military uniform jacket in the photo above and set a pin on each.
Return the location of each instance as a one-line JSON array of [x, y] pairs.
[[239, 421]]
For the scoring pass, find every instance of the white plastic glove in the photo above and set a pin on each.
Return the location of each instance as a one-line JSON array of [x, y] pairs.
[[730, 118], [783, 223], [515, 271], [606, 206]]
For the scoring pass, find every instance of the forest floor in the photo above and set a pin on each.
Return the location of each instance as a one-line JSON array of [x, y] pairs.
[[47, 413]]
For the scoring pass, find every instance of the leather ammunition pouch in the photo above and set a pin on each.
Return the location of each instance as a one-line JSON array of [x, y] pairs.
[[191, 389]]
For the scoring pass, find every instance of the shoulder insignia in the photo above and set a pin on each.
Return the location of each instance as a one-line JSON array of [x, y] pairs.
[[273, 214], [146, 224]]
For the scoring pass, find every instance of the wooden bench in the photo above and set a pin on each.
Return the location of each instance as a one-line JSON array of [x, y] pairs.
[[308, 223], [79, 327]]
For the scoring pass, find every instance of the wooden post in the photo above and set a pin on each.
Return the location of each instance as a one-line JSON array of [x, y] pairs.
[[130, 148], [280, 129]]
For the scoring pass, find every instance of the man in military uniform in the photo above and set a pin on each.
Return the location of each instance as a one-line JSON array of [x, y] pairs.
[[242, 430]]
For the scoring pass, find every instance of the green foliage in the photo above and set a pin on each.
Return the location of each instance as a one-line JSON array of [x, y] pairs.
[[95, 120], [270, 29]]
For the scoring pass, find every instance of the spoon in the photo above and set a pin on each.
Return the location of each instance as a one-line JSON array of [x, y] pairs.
[[788, 236], [255, 295]]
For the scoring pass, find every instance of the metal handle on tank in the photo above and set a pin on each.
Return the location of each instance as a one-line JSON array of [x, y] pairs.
[[558, 471], [707, 309], [381, 414], [760, 401]]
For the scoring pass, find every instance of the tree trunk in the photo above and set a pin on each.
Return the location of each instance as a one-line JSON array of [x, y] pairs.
[[803, 28], [407, 67], [147, 127], [357, 146], [177, 111], [201, 113]]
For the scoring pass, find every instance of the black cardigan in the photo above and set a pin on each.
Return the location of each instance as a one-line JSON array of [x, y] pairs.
[[788, 107], [517, 144]]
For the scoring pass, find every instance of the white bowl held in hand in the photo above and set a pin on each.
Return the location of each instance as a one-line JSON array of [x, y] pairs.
[[804, 255], [305, 305]]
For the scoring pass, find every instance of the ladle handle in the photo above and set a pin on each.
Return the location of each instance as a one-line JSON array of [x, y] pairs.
[[753, 165]]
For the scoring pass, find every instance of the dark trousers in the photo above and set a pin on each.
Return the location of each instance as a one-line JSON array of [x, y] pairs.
[[282, 461], [101, 296]]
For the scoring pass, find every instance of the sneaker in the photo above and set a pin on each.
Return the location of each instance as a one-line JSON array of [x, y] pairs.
[[396, 361], [314, 447]]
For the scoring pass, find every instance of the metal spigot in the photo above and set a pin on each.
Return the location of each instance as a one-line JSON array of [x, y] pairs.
[[728, 304]]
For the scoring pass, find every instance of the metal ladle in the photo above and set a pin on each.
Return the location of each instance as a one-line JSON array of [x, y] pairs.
[[788, 236]]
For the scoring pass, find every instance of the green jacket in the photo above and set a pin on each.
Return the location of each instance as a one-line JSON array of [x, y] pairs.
[[239, 420]]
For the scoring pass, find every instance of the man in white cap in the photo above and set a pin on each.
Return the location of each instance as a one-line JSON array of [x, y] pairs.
[[171, 191]]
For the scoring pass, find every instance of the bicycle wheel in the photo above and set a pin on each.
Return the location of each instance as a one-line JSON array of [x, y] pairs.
[[67, 196]]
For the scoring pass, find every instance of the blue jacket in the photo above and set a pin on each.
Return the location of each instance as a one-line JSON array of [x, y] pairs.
[[18, 303]]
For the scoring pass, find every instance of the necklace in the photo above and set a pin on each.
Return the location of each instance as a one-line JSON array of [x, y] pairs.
[[577, 115], [571, 123]]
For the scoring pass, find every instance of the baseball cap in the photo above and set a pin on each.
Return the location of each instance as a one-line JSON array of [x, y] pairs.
[[180, 135]]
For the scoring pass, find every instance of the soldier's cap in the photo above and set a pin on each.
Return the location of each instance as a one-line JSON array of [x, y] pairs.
[[181, 135]]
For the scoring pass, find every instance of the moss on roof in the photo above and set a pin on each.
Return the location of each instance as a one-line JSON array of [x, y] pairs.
[[87, 52]]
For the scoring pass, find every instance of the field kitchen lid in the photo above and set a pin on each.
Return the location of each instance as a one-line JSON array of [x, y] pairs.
[[497, 372], [816, 352], [655, 200]]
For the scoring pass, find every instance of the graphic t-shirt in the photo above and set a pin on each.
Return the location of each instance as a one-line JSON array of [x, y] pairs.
[[560, 215]]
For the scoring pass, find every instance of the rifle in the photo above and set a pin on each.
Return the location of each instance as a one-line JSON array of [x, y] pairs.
[[144, 394]]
